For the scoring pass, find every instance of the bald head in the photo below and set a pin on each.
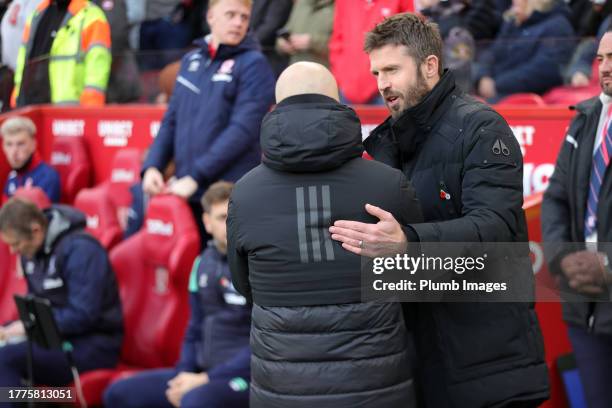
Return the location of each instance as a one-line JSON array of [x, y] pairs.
[[306, 78]]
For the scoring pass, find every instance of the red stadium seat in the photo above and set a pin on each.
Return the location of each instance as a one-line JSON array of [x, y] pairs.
[[101, 215], [13, 282], [152, 269], [125, 173], [34, 194], [69, 157], [570, 95], [523, 99]]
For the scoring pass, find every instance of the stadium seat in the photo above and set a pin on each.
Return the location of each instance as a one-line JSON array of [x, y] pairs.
[[101, 215], [69, 157], [523, 99], [35, 195], [124, 173], [152, 269], [570, 95], [12, 283]]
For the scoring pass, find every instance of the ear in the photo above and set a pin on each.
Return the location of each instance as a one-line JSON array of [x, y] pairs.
[[430, 67], [37, 231], [206, 220]]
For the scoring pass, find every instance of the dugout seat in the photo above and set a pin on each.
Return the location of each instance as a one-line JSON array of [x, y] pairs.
[[13, 282], [523, 99], [152, 268], [70, 159], [101, 216], [125, 172], [34, 194]]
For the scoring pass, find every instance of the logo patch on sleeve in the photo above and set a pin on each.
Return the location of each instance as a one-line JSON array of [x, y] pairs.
[[238, 384]]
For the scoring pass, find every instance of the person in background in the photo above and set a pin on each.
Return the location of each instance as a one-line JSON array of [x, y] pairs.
[[306, 35], [348, 62], [124, 80], [211, 126], [54, 65], [11, 29], [69, 268], [27, 168], [163, 35], [532, 46], [268, 16], [576, 211], [214, 368]]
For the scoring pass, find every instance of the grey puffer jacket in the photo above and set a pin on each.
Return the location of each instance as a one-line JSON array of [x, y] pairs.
[[349, 356]]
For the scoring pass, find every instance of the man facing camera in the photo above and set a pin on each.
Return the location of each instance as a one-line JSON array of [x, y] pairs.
[[214, 370], [27, 168], [314, 342], [211, 127]]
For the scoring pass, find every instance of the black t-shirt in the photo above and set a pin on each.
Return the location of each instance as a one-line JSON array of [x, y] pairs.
[[35, 88]]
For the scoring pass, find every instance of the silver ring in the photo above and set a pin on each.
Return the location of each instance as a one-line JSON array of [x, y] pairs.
[[361, 244]]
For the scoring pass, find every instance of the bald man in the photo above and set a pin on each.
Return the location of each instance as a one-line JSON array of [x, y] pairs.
[[314, 343]]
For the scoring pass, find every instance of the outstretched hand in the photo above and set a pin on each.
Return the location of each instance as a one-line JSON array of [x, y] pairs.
[[385, 238]]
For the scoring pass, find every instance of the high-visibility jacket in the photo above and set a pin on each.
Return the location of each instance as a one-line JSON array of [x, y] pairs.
[[80, 58]]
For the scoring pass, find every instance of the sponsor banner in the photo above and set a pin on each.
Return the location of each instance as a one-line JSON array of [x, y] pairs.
[[539, 131]]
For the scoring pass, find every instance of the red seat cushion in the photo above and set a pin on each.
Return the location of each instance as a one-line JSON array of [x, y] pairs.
[[101, 215], [69, 157], [35, 195], [152, 268], [125, 172], [13, 283]]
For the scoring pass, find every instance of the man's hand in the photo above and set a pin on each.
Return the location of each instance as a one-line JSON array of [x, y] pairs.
[[585, 271], [14, 329], [300, 42], [153, 181], [385, 238], [285, 46], [182, 384], [486, 87], [183, 187]]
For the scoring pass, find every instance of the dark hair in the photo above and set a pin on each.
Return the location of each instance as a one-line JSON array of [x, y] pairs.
[[420, 37], [216, 193], [18, 215]]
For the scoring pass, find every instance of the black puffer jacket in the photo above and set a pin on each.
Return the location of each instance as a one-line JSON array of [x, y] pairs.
[[314, 344], [470, 354]]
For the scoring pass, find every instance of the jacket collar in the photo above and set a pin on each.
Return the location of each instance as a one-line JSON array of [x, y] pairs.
[[225, 51], [74, 7], [426, 113], [30, 165], [413, 126]]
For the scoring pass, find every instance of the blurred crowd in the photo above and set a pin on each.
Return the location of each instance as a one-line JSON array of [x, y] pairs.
[[496, 47]]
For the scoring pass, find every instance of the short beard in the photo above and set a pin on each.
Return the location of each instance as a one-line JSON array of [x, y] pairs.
[[606, 89], [413, 95]]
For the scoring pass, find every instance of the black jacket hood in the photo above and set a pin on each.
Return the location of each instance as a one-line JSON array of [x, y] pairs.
[[310, 133]]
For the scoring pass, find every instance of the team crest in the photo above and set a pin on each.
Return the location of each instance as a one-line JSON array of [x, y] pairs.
[[226, 67]]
